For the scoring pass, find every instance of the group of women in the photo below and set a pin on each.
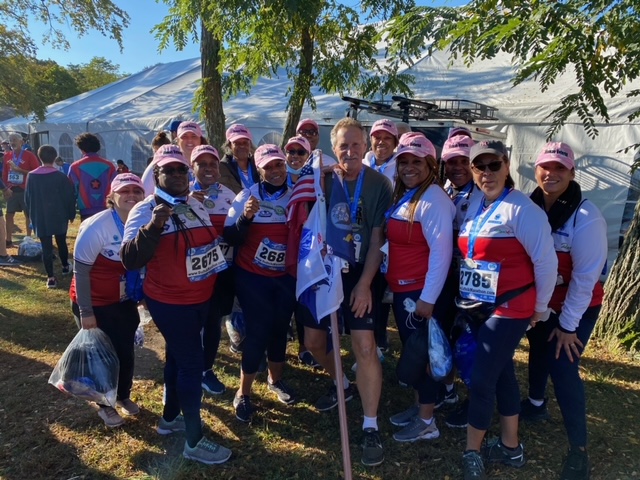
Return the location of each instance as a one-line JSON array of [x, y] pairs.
[[224, 235]]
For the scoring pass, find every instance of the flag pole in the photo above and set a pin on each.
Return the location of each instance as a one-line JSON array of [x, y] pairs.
[[342, 409]]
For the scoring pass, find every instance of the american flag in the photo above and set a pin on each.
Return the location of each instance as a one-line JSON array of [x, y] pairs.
[[303, 191]]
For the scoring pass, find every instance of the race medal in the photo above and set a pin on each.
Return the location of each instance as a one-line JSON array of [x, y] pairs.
[[204, 261], [270, 255], [209, 204], [481, 282], [180, 208], [190, 215]]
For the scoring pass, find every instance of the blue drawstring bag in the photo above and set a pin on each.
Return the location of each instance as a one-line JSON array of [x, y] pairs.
[[133, 284], [464, 354], [440, 358]]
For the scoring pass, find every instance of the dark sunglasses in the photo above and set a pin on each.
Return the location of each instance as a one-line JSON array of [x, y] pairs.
[[493, 166], [300, 152], [310, 133], [182, 170]]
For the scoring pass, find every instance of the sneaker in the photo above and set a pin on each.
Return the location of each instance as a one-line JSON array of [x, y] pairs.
[[417, 430], [451, 397], [285, 394], [372, 451], [472, 465], [52, 282], [306, 358], [211, 384], [459, 417], [530, 413], [405, 417], [496, 452], [330, 399], [166, 428], [8, 261], [128, 407], [207, 452], [243, 407], [66, 269], [235, 349], [110, 417], [576, 465]]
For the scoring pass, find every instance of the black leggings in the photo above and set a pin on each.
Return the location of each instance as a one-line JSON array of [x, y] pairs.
[[47, 251]]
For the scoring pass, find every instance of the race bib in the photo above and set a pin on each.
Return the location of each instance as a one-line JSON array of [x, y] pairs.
[[202, 262], [384, 266], [227, 251], [270, 255], [479, 280], [15, 177]]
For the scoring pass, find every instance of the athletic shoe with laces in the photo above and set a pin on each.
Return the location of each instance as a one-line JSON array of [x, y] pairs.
[[128, 407], [330, 399], [243, 407], [472, 465], [207, 452], [8, 261], [176, 425], [52, 282], [459, 417], [576, 465], [110, 417], [372, 451], [417, 430], [283, 391], [306, 358], [450, 397], [66, 269], [405, 417], [496, 452], [530, 413], [211, 383]]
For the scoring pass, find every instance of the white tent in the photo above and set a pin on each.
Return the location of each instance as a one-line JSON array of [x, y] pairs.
[[128, 113]]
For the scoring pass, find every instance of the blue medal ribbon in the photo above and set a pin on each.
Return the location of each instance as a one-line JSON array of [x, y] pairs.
[[133, 278], [248, 180], [461, 194], [289, 181], [380, 168], [394, 208], [211, 191], [353, 205], [479, 220], [168, 198], [271, 197]]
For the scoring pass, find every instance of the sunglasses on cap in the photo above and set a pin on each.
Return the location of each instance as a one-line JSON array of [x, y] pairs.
[[300, 152], [308, 132], [182, 170], [493, 166]]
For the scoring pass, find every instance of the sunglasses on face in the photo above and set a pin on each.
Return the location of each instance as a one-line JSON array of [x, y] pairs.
[[300, 152], [308, 133], [493, 166], [182, 170]]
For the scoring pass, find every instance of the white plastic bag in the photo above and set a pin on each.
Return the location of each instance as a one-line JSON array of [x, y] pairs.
[[440, 357], [88, 368]]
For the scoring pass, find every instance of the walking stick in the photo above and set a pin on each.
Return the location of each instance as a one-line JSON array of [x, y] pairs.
[[342, 409]]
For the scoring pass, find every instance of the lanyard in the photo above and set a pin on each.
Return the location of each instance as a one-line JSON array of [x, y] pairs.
[[271, 197], [211, 192], [248, 180], [353, 206], [168, 198], [479, 222], [464, 193], [18, 160], [394, 208], [289, 181], [118, 222], [380, 168]]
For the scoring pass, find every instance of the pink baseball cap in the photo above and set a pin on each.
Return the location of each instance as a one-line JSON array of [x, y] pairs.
[[307, 121], [124, 180], [300, 140], [192, 127], [557, 152], [204, 150], [457, 146], [384, 125], [169, 154], [416, 143], [238, 131], [266, 153], [459, 131]]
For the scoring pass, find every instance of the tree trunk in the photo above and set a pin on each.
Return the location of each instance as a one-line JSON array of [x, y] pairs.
[[619, 320], [210, 95], [301, 87]]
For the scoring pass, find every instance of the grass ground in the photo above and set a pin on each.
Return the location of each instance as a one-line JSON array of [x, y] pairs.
[[47, 435]]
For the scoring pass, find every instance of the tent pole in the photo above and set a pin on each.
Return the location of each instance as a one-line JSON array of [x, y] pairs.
[[342, 410]]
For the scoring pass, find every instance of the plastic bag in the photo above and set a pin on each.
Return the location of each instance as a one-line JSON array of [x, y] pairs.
[[440, 358], [88, 368], [143, 313], [235, 324], [138, 339], [30, 249]]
